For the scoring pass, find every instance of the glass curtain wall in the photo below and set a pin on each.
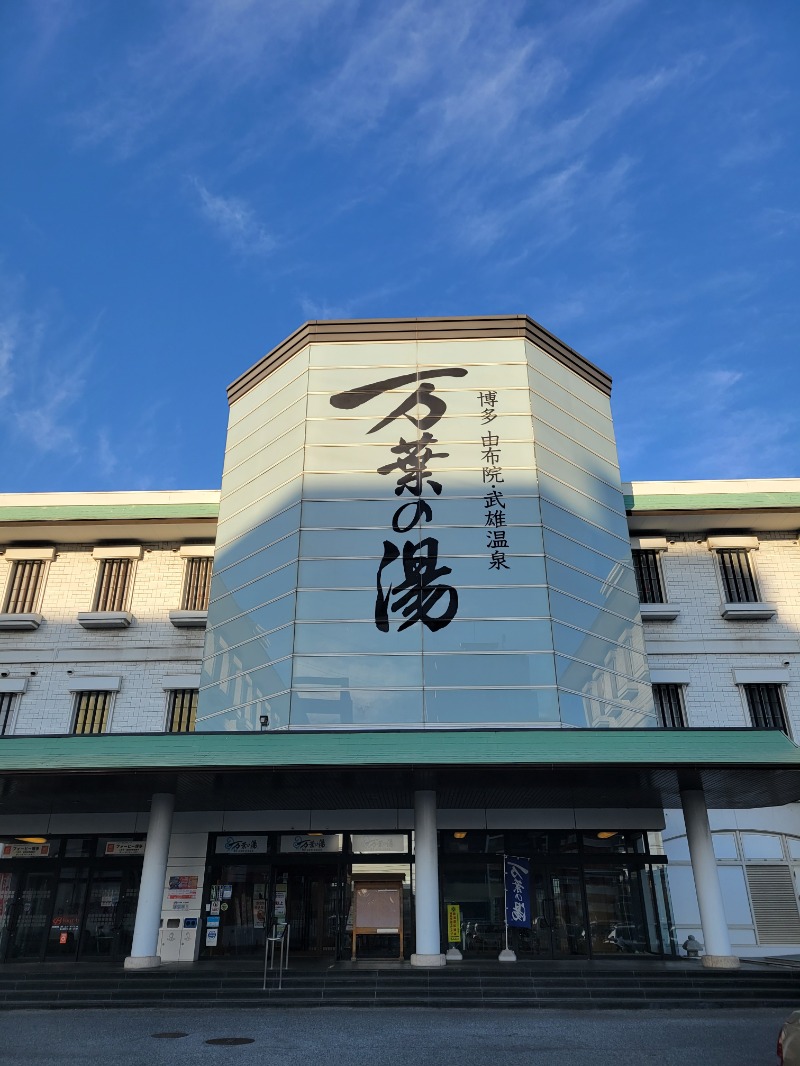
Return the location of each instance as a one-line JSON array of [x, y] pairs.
[[592, 893]]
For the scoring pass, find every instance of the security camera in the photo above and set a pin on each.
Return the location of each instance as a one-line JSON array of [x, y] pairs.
[[4, 673]]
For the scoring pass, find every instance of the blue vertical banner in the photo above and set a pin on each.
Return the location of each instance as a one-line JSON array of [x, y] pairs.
[[518, 891]]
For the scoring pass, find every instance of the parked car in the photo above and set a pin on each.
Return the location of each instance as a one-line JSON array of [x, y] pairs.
[[789, 1041]]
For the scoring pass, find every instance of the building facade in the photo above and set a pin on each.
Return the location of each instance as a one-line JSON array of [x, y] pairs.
[[414, 633], [719, 573]]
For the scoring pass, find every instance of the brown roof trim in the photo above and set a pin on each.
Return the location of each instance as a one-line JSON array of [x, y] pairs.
[[403, 329]]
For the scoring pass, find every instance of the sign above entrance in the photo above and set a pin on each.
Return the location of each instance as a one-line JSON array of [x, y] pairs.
[[242, 845], [374, 843], [311, 843], [25, 851], [124, 847]]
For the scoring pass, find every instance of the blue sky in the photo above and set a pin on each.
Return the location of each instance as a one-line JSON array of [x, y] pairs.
[[184, 183]]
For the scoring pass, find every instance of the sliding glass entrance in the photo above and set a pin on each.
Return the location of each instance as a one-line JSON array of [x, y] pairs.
[[591, 893], [69, 898]]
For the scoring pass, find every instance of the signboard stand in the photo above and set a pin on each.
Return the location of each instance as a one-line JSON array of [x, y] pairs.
[[454, 937], [517, 886], [377, 909]]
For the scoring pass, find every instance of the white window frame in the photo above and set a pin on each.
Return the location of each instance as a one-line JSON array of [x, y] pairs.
[[111, 553], [187, 553], [28, 555], [76, 696], [779, 683]]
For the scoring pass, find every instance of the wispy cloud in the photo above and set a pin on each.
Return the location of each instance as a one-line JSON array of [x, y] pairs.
[[44, 379], [725, 429], [235, 221], [201, 45]]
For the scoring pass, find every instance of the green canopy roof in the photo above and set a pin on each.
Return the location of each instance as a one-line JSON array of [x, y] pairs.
[[517, 747]]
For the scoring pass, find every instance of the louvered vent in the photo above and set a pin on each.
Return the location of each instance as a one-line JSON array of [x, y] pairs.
[[774, 904]]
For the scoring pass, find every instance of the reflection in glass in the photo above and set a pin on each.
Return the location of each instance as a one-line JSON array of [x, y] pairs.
[[491, 706], [359, 671], [492, 670], [336, 706], [318, 637], [561, 521], [257, 540], [725, 845], [255, 568], [762, 846], [618, 922], [584, 711], [570, 471], [476, 636]]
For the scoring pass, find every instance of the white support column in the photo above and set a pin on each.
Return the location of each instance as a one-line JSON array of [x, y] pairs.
[[426, 882], [716, 938], [151, 892]]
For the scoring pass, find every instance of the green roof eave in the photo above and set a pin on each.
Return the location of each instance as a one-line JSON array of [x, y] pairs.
[[579, 747], [88, 512], [712, 501]]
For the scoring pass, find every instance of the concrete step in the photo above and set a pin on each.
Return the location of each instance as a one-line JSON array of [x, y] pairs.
[[614, 987]]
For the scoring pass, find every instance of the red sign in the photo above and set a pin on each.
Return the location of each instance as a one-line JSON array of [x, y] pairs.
[[62, 938]]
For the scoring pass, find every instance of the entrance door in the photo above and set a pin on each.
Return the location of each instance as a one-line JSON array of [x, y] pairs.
[[110, 914], [558, 928], [313, 900], [65, 925], [29, 919]]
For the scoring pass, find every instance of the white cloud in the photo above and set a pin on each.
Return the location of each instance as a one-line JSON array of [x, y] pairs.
[[216, 47], [235, 222], [725, 431]]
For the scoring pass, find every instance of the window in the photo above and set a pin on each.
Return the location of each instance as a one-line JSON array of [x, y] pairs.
[[91, 712], [738, 579], [648, 576], [197, 584], [6, 707], [765, 704], [24, 586], [182, 710], [112, 585], [669, 706]]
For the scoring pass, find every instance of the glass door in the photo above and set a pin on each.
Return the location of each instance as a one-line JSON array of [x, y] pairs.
[[110, 914], [558, 927], [30, 916], [313, 904], [65, 925], [8, 893]]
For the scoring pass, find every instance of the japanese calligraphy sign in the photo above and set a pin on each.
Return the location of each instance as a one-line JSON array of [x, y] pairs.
[[409, 585], [518, 891], [494, 502]]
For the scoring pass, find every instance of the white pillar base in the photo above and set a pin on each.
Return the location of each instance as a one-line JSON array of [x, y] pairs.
[[507, 955], [141, 962], [427, 960], [721, 962], [453, 955]]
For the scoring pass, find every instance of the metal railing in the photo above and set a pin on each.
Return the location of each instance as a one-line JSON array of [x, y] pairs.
[[280, 936]]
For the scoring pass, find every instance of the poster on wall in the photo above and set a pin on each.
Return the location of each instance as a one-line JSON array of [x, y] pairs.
[[259, 906], [281, 888]]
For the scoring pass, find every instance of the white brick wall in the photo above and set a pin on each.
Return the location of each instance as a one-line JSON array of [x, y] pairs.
[[691, 581], [141, 655]]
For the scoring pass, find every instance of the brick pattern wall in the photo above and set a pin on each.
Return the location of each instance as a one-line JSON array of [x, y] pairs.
[[691, 582], [141, 655]]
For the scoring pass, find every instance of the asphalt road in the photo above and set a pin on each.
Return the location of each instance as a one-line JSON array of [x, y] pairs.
[[385, 1037]]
